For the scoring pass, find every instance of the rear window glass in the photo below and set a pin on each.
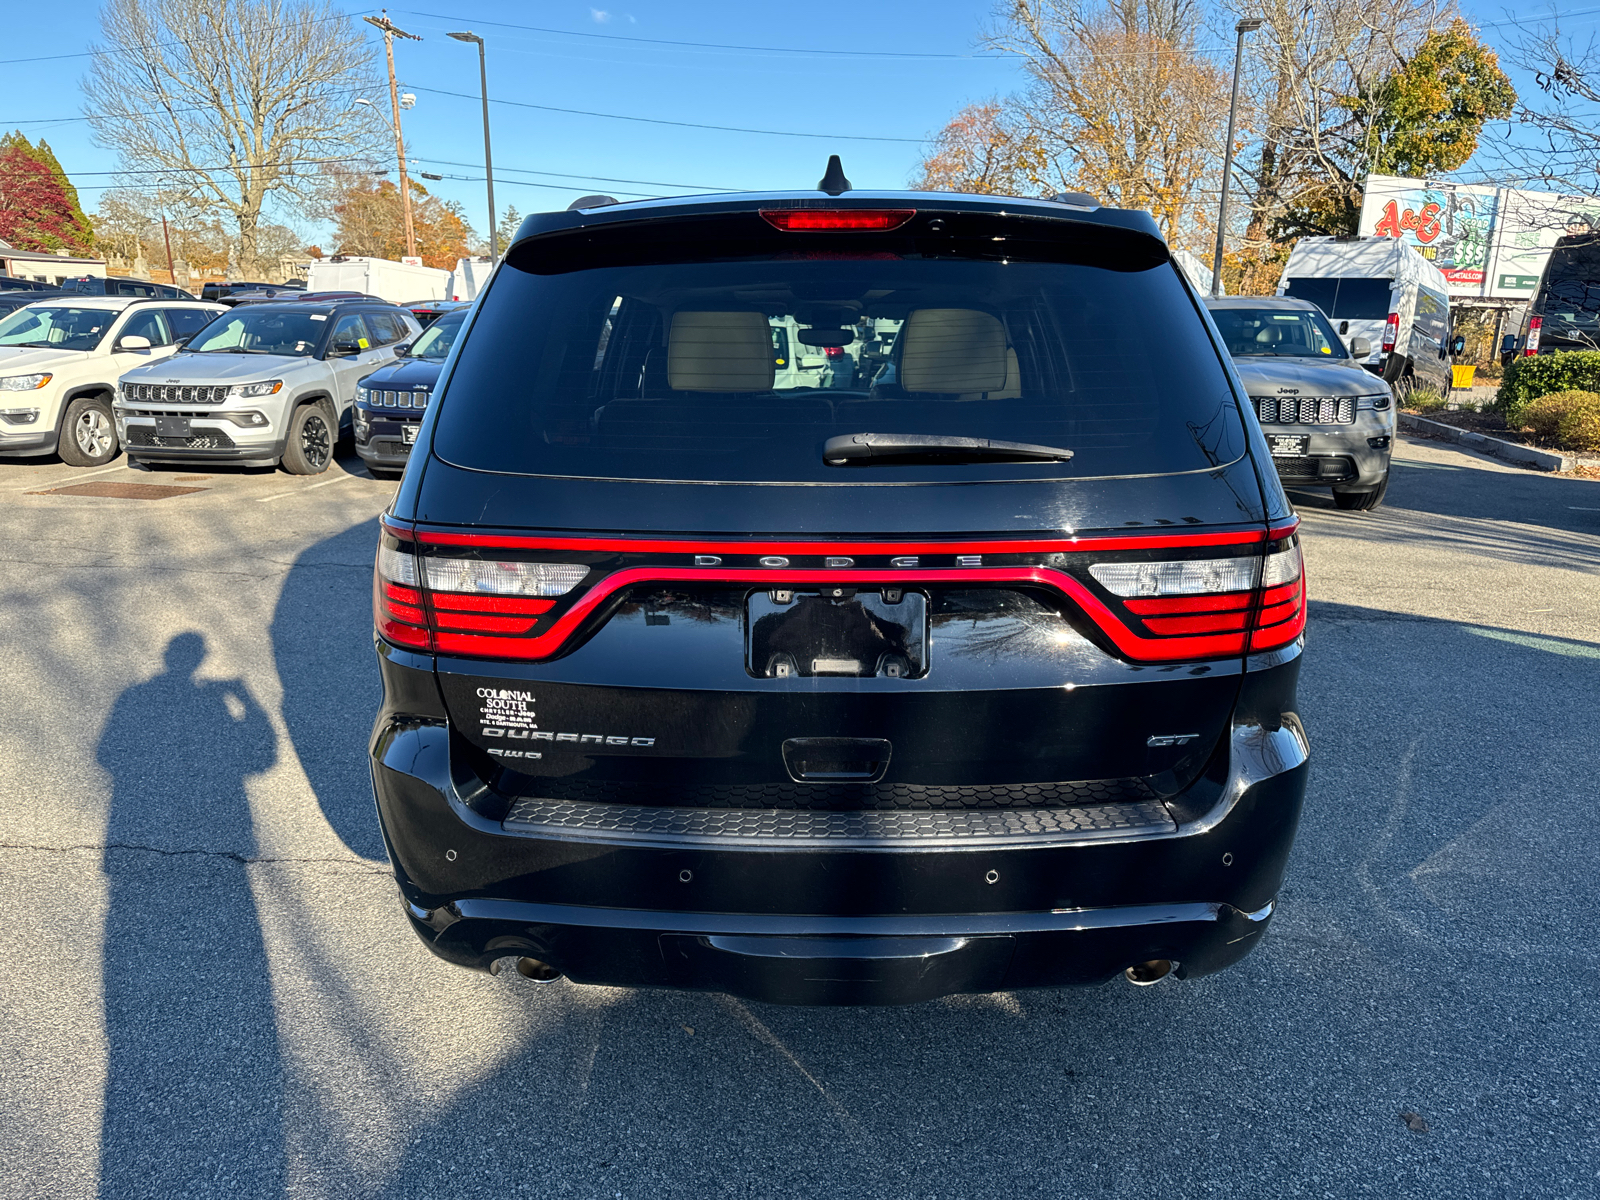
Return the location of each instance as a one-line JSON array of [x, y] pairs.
[[1344, 299], [741, 370], [1571, 291]]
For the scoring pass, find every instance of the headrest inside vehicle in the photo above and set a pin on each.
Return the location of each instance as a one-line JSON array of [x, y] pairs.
[[720, 352], [949, 350]]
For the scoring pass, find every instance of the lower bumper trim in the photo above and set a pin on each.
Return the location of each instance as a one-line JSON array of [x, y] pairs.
[[789, 959]]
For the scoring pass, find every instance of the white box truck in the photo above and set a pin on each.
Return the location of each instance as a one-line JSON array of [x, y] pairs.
[[396, 282], [470, 277], [1381, 289]]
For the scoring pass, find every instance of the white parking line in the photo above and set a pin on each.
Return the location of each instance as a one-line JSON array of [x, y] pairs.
[[310, 487], [121, 466], [1581, 508]]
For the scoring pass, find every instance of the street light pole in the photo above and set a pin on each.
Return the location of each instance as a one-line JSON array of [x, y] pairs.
[[1248, 25], [488, 159], [390, 32]]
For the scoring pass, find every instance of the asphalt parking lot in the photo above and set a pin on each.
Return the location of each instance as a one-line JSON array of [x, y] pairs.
[[206, 988]]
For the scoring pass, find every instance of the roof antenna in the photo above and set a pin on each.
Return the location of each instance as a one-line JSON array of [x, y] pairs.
[[833, 181]]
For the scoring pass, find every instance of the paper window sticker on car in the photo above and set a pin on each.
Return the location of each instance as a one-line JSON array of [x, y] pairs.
[[319, 316], [362, 342]]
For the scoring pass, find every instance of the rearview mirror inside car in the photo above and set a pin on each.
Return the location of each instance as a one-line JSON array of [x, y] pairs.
[[1360, 347], [827, 337]]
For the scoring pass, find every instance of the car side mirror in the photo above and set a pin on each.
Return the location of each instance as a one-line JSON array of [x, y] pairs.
[[402, 349], [1508, 344], [343, 350], [133, 342], [1458, 344], [183, 341], [1360, 347]]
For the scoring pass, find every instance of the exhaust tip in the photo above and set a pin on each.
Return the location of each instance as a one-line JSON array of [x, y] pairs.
[[1140, 974], [541, 972]]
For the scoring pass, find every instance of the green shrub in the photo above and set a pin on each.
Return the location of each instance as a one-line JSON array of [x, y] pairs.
[[1571, 419], [1544, 415], [1526, 379], [1426, 400]]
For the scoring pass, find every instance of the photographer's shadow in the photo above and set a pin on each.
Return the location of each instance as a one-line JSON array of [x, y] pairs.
[[190, 1024]]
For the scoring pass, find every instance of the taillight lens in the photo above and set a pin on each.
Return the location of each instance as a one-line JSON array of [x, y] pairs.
[[463, 603], [1210, 607], [1391, 332], [818, 220], [1535, 324]]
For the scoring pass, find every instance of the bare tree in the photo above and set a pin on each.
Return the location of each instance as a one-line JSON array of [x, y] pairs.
[[236, 102], [1558, 138]]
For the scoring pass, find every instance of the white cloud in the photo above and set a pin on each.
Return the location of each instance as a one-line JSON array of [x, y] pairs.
[[600, 15]]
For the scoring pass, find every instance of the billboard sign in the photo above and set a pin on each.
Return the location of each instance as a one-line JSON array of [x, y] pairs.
[[1491, 243]]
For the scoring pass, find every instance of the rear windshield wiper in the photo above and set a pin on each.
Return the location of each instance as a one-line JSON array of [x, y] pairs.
[[866, 447]]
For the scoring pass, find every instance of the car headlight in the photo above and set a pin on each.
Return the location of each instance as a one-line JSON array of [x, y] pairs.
[[1373, 403], [24, 383], [249, 391], [20, 416], [361, 395]]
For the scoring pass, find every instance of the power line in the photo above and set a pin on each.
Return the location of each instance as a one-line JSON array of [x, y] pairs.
[[581, 112], [620, 37], [710, 187]]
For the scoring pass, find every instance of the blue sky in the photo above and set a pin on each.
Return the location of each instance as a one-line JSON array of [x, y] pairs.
[[831, 68]]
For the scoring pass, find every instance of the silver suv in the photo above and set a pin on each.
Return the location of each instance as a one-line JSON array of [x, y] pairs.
[[1327, 420], [260, 385]]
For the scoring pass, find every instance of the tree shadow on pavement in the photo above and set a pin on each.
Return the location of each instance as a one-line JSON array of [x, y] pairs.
[[322, 647], [189, 1014]]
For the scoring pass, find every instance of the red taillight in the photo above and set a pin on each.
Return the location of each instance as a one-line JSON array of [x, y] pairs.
[[1391, 332], [833, 351], [1243, 593], [809, 220], [1535, 324], [463, 604], [1205, 608]]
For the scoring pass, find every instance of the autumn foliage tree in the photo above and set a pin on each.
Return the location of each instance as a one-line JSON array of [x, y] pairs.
[[38, 207], [369, 221], [983, 151], [1119, 105]]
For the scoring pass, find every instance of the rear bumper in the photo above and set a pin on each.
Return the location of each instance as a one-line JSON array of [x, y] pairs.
[[781, 959], [885, 917]]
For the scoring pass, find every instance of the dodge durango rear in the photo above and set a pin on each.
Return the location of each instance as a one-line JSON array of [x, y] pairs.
[[839, 598]]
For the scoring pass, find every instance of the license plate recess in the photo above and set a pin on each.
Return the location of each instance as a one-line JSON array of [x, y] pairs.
[[837, 632], [173, 427]]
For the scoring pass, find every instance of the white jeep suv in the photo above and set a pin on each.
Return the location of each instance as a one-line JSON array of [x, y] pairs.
[[263, 384], [59, 364]]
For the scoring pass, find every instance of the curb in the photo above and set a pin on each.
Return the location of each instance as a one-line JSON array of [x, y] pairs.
[[1511, 452]]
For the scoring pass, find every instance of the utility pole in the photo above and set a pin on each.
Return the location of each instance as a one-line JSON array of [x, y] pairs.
[[1248, 25], [167, 237], [390, 32]]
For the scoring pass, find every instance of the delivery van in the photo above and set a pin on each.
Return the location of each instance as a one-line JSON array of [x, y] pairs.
[[1380, 289]]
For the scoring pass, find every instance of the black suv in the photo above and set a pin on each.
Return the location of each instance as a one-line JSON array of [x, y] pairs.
[[708, 663], [390, 402]]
